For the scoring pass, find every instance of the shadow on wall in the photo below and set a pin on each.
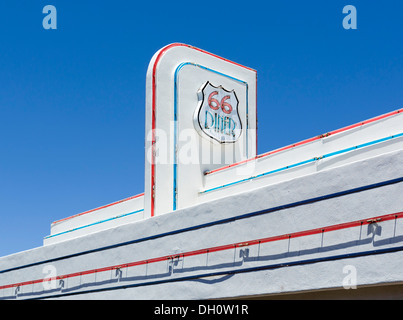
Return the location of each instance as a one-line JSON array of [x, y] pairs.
[[181, 268]]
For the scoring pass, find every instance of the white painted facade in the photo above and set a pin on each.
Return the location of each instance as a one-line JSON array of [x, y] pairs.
[[306, 218]]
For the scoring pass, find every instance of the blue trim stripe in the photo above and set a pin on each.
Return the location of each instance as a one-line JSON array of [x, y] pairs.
[[176, 80], [331, 154], [94, 223]]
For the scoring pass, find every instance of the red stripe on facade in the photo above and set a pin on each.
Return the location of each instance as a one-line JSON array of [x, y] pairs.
[[309, 140], [299, 234], [99, 208]]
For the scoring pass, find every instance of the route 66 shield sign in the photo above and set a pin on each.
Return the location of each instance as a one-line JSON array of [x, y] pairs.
[[217, 114]]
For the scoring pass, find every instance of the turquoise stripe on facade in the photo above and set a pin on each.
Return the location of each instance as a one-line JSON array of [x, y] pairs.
[[331, 154], [94, 223]]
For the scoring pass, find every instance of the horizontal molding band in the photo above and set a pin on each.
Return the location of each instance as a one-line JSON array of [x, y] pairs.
[[248, 243], [237, 271], [94, 223], [344, 129], [217, 222], [99, 208], [331, 154]]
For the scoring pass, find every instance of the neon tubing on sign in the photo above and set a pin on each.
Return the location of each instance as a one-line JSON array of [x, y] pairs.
[[331, 154], [176, 81], [356, 125]]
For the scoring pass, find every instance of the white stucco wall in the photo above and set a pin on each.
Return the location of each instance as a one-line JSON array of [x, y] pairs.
[[311, 262], [364, 140]]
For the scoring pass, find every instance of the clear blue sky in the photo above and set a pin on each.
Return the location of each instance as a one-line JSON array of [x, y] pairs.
[[72, 99]]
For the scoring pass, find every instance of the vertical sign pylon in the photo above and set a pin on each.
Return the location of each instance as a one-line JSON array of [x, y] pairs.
[[181, 128]]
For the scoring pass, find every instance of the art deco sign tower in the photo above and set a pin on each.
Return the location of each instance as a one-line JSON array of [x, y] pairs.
[[200, 115]]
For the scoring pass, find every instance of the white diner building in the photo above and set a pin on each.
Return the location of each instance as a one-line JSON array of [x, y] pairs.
[[321, 218]]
